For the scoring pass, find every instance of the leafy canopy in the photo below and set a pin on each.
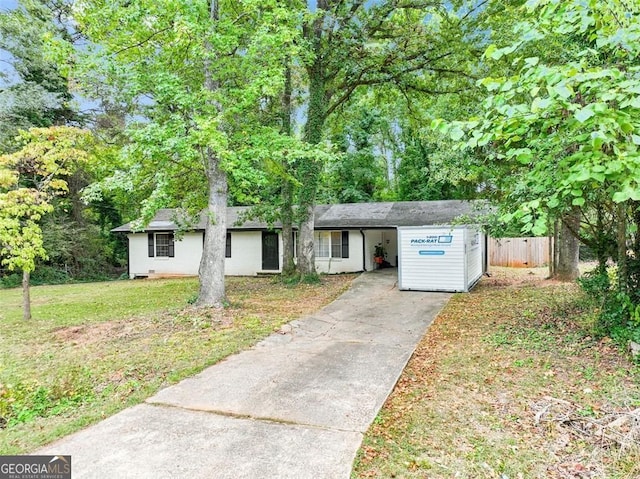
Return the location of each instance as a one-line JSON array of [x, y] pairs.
[[558, 132], [29, 179], [198, 86]]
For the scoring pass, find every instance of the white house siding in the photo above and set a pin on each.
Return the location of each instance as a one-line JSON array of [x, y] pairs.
[[246, 253], [186, 261], [388, 238], [344, 265]]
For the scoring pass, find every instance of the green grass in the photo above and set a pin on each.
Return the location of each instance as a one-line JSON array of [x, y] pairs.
[[92, 349]]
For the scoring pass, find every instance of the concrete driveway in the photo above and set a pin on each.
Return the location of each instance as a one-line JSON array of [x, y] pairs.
[[294, 406]]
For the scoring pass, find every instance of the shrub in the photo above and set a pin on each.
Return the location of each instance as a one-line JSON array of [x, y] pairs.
[[23, 402], [617, 315]]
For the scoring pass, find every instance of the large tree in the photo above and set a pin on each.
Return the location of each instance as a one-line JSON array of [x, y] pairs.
[[199, 73], [563, 136], [416, 47], [33, 92], [29, 180], [390, 153]]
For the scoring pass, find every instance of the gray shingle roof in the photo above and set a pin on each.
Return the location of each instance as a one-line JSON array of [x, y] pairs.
[[342, 216]]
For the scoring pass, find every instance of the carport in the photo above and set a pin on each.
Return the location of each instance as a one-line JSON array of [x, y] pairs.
[[381, 223]]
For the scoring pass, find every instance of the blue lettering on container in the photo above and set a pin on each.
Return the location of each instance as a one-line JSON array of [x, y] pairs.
[[427, 240]]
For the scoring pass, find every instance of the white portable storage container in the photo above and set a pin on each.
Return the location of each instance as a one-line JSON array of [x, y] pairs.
[[440, 258]]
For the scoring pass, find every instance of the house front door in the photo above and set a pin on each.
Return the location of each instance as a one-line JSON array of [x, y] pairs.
[[270, 251]]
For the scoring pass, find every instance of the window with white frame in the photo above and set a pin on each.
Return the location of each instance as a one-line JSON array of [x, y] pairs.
[[332, 244]]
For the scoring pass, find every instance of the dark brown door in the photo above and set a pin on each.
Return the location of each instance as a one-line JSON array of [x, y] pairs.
[[270, 251]]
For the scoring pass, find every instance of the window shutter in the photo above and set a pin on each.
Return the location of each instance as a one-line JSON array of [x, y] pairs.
[[172, 248], [227, 249], [345, 244], [152, 248]]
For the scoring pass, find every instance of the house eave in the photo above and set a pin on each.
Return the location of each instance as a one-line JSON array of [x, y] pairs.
[[351, 216]]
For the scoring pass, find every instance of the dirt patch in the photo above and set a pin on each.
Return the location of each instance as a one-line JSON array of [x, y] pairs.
[[246, 296], [502, 276], [97, 333]]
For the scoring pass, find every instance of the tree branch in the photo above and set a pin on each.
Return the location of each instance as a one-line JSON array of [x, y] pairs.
[[142, 42], [474, 9]]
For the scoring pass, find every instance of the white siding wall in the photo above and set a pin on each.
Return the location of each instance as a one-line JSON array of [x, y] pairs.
[[429, 262], [245, 260], [372, 239], [390, 243], [344, 265], [388, 238], [246, 253], [186, 260]]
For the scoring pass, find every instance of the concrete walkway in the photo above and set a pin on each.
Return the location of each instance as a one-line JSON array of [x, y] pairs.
[[294, 406]]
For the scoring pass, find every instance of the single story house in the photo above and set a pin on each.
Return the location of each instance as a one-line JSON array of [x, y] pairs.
[[346, 236]]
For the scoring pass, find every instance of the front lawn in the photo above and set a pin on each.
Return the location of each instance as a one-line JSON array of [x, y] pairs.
[[509, 383], [93, 349]]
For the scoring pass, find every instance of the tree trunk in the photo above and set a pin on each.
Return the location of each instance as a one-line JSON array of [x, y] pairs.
[[309, 169], [556, 245], [212, 288], [289, 265], [551, 225], [306, 254], [621, 240], [568, 247], [76, 183], [633, 259], [286, 214], [600, 243], [26, 295]]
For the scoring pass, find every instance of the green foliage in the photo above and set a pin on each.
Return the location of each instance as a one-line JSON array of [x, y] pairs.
[[34, 93], [29, 179], [313, 278], [558, 132], [23, 402], [359, 173], [355, 47], [423, 173], [616, 314], [209, 81], [291, 279], [79, 252], [272, 158], [389, 155]]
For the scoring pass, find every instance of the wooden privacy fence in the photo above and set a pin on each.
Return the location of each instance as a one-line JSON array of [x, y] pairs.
[[519, 252]]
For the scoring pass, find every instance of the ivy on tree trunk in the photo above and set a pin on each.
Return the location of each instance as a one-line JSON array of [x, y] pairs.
[[212, 286]]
